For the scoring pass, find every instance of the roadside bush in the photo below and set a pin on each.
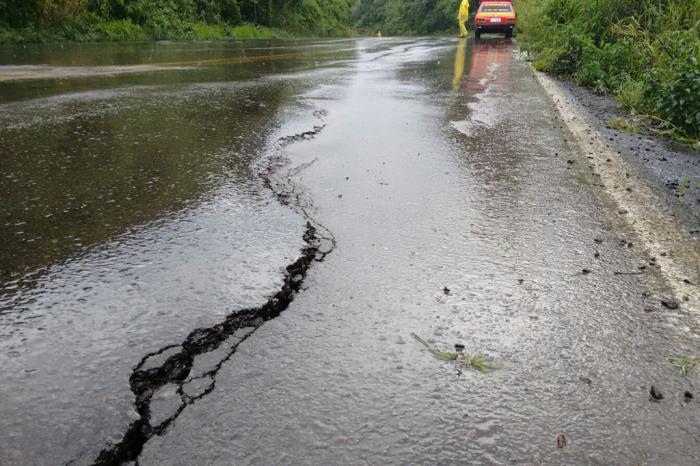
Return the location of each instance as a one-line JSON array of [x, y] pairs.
[[118, 31], [87, 20], [646, 53], [204, 31], [252, 31]]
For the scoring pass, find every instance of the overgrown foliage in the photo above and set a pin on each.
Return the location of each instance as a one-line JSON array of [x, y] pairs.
[[644, 52], [45, 20], [407, 16]]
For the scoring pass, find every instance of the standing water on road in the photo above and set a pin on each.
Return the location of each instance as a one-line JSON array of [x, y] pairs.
[[134, 213]]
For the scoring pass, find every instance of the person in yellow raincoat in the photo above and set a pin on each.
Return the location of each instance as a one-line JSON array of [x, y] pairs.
[[463, 17]]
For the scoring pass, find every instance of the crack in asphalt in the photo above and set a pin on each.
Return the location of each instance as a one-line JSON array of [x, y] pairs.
[[237, 327]]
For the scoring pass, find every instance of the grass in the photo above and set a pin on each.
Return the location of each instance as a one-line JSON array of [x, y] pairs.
[[645, 53], [625, 125], [683, 363], [126, 31], [251, 31], [479, 362]]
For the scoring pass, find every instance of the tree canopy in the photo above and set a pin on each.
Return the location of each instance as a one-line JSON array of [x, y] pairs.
[[407, 16], [163, 18]]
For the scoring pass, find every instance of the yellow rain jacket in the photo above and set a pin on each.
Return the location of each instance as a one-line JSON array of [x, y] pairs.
[[464, 10], [463, 17]]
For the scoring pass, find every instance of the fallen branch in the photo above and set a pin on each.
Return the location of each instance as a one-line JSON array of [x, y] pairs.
[[477, 361]]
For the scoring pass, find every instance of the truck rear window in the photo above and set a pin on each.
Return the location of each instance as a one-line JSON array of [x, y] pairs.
[[505, 8]]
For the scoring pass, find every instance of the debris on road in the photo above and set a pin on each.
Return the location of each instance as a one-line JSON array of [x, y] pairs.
[[670, 303], [479, 362], [683, 363], [655, 395], [561, 441]]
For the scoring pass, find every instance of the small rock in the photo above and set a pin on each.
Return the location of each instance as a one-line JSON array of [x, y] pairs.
[[596, 255], [585, 380], [520, 281], [447, 291], [655, 395], [598, 240], [688, 397], [670, 303], [571, 162], [622, 211], [586, 271], [561, 441], [340, 196]]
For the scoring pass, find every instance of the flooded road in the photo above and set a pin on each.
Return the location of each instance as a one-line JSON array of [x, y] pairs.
[[157, 212]]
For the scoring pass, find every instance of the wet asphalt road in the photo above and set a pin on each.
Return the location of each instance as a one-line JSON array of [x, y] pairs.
[[133, 213]]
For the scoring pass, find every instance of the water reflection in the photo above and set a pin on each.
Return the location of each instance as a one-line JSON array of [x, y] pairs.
[[131, 213], [459, 63], [120, 161], [485, 57]]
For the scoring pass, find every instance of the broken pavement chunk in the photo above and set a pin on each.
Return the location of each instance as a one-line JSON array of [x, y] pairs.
[[670, 303], [561, 441]]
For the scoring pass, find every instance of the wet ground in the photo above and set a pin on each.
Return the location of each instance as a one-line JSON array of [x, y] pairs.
[[673, 166], [149, 220]]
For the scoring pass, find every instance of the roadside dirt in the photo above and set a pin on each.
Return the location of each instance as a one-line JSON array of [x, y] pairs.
[[674, 167], [628, 173]]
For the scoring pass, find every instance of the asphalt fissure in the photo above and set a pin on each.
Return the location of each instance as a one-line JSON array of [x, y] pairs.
[[148, 378]]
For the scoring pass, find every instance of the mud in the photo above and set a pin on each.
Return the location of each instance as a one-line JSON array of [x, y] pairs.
[[667, 164]]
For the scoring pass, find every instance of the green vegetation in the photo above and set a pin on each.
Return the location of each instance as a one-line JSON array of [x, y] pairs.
[[646, 53], [123, 20], [624, 124], [478, 361], [683, 363], [407, 17]]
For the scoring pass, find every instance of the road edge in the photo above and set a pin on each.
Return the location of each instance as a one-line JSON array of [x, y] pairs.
[[644, 210]]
